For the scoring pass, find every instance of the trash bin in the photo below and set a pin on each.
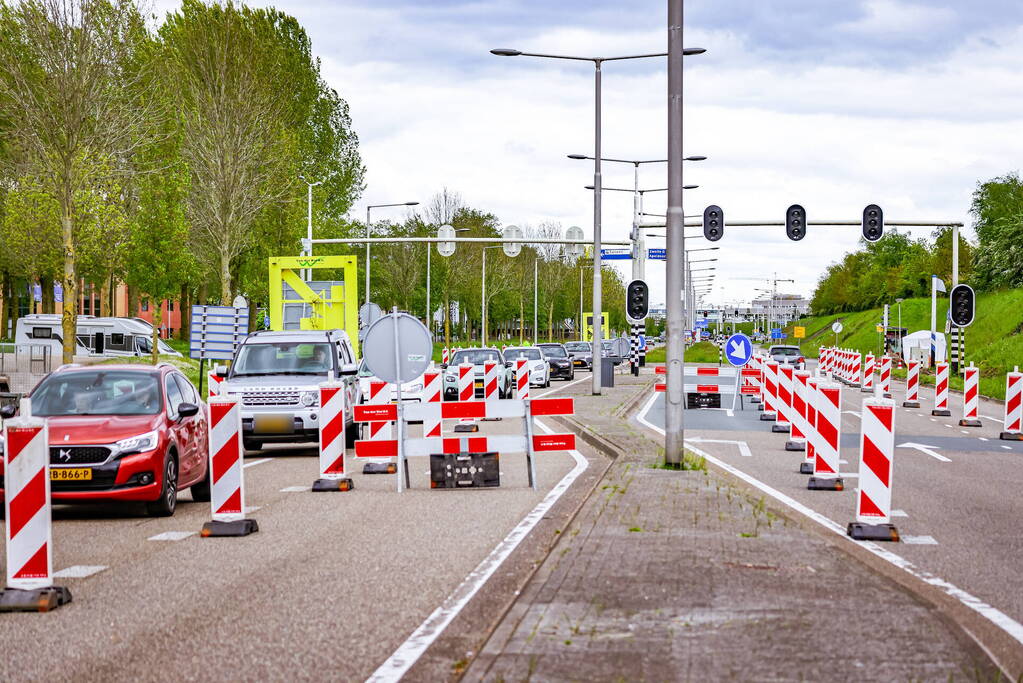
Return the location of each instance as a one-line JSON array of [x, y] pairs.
[[607, 373]]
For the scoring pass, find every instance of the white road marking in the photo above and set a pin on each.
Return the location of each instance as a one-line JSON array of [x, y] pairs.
[[843, 462], [919, 540], [78, 571], [249, 509], [257, 462], [565, 386], [933, 420], [172, 536], [853, 412], [929, 450], [743, 446], [402, 659], [899, 513], [952, 427], [994, 615], [1008, 448], [993, 419], [294, 489], [982, 438]]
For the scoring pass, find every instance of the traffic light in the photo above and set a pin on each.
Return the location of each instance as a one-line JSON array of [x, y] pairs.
[[961, 305], [873, 222], [637, 300], [795, 222], [713, 223]]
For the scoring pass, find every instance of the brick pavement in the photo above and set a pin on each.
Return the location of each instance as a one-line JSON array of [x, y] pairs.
[[668, 575]]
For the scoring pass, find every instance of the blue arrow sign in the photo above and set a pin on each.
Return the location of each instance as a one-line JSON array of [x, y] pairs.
[[738, 349]]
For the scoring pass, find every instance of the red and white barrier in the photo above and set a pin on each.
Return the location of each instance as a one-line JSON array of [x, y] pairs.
[[227, 477], [1013, 406], [783, 423], [912, 385], [466, 386], [751, 383], [877, 449], [812, 398], [433, 392], [445, 355], [971, 397], [822, 359], [770, 398], [379, 393], [827, 445], [885, 380], [490, 391], [857, 369], [941, 390], [27, 503], [522, 379], [868, 373], [213, 384], [797, 435], [332, 438]]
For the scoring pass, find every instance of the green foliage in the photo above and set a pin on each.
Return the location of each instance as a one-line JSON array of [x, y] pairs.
[[998, 212]]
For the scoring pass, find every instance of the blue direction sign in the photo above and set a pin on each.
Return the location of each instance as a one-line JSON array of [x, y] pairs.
[[702, 324], [776, 333], [657, 254], [738, 349], [619, 254]]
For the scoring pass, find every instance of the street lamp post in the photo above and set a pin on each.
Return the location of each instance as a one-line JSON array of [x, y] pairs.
[[483, 299], [368, 223], [597, 64], [307, 272]]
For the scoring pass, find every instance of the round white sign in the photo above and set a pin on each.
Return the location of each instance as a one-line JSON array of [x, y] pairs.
[[414, 348], [512, 249], [574, 233], [837, 327], [445, 232]]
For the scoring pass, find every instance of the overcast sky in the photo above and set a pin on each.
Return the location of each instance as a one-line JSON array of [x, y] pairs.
[[833, 104]]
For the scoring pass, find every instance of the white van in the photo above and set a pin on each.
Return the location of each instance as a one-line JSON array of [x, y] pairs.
[[106, 337]]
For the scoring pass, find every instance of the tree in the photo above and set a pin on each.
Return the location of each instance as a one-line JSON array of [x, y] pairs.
[[63, 84], [998, 220]]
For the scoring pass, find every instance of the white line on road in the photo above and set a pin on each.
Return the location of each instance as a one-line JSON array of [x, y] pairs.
[[899, 513], [294, 489], [919, 540], [257, 462], [172, 536], [994, 615], [982, 438], [1008, 448], [964, 431], [853, 412], [78, 571], [929, 450], [402, 659], [993, 419], [933, 420], [743, 446]]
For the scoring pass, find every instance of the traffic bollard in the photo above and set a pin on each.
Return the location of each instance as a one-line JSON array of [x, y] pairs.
[[783, 423], [827, 449], [332, 438], [877, 449], [379, 394], [227, 474], [971, 397], [941, 391], [1013, 406], [868, 374], [912, 385]]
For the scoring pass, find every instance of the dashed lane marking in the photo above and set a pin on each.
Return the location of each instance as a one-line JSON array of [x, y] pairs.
[[172, 536], [1008, 448], [983, 438], [918, 540], [257, 462], [294, 489], [79, 571], [899, 513]]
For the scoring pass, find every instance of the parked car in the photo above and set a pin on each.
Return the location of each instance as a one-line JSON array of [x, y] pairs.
[[108, 337], [560, 362], [536, 361], [123, 433], [477, 357], [277, 376], [411, 391], [789, 355], [581, 354]]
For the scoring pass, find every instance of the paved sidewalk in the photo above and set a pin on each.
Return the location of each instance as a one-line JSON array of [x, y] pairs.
[[668, 575]]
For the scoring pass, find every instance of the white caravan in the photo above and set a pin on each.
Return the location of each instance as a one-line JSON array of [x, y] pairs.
[[106, 337]]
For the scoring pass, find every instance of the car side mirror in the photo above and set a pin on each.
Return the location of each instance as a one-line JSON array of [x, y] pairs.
[[220, 371], [8, 411], [187, 409], [349, 369], [443, 366]]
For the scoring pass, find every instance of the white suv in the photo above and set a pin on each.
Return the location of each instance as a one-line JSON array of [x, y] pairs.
[[277, 376], [477, 357], [536, 361]]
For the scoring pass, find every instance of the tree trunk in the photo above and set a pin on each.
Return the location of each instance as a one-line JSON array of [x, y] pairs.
[[203, 294], [225, 278], [133, 302], [185, 312], [15, 311], [69, 320], [5, 303], [522, 322], [46, 288], [104, 296], [157, 321], [550, 321]]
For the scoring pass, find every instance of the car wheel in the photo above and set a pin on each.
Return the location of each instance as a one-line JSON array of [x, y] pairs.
[[252, 445], [547, 384], [201, 490], [164, 505]]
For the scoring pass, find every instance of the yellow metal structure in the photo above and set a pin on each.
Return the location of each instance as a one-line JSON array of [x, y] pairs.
[[588, 327], [338, 311]]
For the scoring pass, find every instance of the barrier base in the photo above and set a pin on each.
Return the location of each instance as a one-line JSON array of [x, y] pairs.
[[872, 532], [867, 390], [825, 484], [941, 413], [33, 600], [380, 468], [237, 527], [1011, 436], [467, 427], [887, 395], [780, 428], [806, 468], [970, 422], [343, 484], [911, 404], [754, 399], [795, 446]]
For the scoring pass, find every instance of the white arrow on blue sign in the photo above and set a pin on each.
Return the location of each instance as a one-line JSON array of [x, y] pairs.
[[738, 349]]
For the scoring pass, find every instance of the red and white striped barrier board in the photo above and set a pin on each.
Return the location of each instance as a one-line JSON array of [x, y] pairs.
[[227, 476], [379, 393], [822, 359], [522, 379], [445, 355], [912, 385], [941, 390], [750, 381], [1013, 406], [812, 398], [868, 373], [877, 448], [797, 438], [27, 504], [971, 397], [466, 377], [770, 400], [332, 439], [490, 392], [212, 384], [885, 378], [433, 392], [827, 445], [856, 375], [784, 399]]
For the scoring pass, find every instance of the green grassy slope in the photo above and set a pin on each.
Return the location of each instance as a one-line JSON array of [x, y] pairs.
[[994, 342]]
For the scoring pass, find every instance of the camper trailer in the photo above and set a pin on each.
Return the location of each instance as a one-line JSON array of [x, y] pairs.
[[106, 337]]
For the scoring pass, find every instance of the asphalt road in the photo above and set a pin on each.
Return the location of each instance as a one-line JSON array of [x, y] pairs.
[[328, 588], [958, 513]]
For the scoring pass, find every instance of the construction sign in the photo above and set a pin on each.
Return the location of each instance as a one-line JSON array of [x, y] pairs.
[[799, 332], [326, 305], [588, 327]]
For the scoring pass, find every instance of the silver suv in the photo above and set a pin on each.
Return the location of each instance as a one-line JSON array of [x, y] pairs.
[[277, 377]]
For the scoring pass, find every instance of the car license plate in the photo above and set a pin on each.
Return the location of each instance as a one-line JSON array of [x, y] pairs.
[[273, 424], [577, 362], [479, 384], [70, 473]]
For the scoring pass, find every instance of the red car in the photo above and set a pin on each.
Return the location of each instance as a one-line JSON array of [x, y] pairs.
[[124, 433]]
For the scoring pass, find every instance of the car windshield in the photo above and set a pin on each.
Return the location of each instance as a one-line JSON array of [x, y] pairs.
[[785, 351], [282, 358], [554, 352], [577, 346], [528, 354], [475, 356], [97, 392], [606, 345]]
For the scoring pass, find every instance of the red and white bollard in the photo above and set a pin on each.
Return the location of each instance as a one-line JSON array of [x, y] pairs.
[[227, 474], [941, 390], [379, 394], [29, 533], [856, 373], [822, 359], [885, 380], [868, 373], [213, 384], [522, 379], [332, 438], [877, 448], [770, 386], [466, 392], [971, 397], [783, 423], [445, 355], [827, 448], [490, 390], [812, 398], [912, 385], [1013, 406], [433, 393], [797, 438]]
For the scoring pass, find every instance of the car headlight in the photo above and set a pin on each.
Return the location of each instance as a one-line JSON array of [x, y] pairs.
[[310, 398], [137, 444], [451, 377]]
